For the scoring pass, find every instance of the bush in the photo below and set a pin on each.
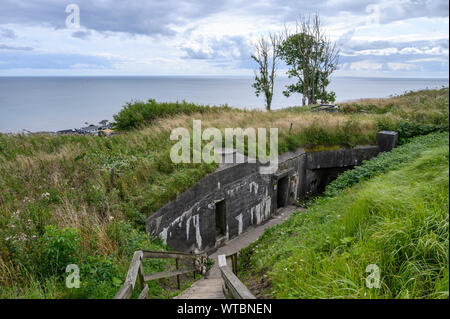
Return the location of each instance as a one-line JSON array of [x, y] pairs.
[[137, 114], [407, 130], [129, 238], [59, 248]]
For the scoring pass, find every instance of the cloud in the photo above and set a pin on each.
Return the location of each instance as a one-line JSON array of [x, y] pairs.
[[389, 11], [396, 66], [134, 17], [352, 46], [345, 38], [384, 35], [25, 60], [81, 34], [373, 11], [7, 33], [365, 65], [224, 48], [156, 17]]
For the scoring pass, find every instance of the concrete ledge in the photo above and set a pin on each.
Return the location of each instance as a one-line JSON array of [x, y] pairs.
[[340, 158], [387, 140]]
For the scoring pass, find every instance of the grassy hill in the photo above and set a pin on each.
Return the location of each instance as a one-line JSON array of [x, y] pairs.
[[396, 220], [84, 199]]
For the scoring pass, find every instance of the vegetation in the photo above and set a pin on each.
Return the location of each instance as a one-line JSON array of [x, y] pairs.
[[266, 56], [385, 162], [84, 199], [311, 58], [411, 114], [138, 114], [397, 220]]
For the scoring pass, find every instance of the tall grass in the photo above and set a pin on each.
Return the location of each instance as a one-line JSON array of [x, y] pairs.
[[397, 221], [103, 188], [385, 162]]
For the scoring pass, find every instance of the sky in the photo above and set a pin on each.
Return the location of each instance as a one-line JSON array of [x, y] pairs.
[[385, 38]]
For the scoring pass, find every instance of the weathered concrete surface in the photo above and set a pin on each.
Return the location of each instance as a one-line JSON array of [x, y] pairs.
[[210, 286], [189, 222], [320, 168]]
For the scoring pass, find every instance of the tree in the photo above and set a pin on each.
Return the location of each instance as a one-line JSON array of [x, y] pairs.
[[266, 55], [103, 122], [312, 58]]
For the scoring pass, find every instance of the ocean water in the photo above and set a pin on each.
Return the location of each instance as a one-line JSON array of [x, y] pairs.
[[56, 103]]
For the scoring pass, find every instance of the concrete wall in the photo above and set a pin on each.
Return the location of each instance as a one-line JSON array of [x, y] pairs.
[[189, 222]]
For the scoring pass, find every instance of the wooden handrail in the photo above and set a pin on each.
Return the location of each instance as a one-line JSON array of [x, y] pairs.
[[233, 288], [136, 270]]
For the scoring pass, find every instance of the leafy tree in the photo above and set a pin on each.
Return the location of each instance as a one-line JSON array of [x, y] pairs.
[[312, 58], [266, 55]]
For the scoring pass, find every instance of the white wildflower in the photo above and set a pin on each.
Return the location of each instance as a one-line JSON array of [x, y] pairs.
[[45, 195]]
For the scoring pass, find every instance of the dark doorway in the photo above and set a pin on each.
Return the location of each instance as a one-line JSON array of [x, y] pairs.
[[324, 176], [282, 191], [221, 221]]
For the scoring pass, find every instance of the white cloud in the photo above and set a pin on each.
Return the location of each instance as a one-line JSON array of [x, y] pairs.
[[365, 65], [197, 37], [396, 66]]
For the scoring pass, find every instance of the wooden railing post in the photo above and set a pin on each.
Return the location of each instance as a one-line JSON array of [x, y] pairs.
[[234, 263], [232, 286], [178, 276], [136, 270]]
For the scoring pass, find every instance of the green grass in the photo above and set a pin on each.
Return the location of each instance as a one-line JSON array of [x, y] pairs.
[[385, 162], [397, 220], [101, 189]]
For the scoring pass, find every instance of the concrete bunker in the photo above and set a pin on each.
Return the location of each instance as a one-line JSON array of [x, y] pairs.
[[321, 177]]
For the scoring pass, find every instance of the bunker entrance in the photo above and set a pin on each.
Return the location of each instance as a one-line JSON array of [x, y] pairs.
[[221, 224], [324, 176], [282, 191]]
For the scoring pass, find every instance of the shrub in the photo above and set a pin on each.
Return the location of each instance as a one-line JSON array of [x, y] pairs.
[[407, 130], [59, 248], [129, 239], [137, 114]]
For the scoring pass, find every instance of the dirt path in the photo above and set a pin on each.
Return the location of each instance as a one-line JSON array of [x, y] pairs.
[[210, 286]]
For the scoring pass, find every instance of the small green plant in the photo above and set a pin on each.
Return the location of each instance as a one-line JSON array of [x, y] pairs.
[[59, 248]]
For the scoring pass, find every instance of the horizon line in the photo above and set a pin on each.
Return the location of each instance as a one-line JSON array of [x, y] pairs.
[[217, 75]]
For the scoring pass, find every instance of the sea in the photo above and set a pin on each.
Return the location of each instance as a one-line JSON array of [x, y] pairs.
[[34, 104]]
